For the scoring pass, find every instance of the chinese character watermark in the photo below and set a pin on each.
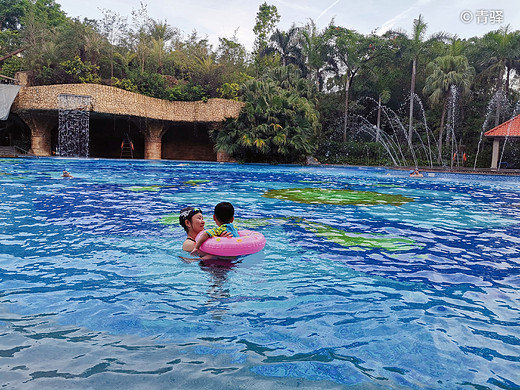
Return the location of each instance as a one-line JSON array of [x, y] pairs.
[[482, 16]]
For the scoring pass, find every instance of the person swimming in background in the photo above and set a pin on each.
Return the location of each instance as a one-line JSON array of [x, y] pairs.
[[66, 174], [416, 173], [224, 215]]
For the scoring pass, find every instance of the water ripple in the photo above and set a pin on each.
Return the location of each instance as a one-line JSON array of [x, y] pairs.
[[95, 295]]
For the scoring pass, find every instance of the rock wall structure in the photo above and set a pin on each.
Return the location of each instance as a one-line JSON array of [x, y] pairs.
[[38, 107]]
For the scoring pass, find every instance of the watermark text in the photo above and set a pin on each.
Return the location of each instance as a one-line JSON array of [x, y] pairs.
[[482, 16]]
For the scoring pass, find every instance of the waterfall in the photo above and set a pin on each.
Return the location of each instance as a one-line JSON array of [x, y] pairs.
[[73, 127]]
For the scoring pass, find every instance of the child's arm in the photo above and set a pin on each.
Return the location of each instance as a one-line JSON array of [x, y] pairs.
[[203, 237]]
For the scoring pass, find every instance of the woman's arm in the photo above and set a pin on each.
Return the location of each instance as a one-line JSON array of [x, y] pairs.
[[200, 240]]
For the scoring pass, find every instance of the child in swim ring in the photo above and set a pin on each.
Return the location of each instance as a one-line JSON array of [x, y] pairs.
[[223, 215]]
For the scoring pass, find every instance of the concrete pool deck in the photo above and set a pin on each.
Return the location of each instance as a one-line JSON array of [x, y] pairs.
[[466, 170]]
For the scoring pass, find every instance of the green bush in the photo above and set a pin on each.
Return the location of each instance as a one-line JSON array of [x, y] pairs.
[[278, 123], [79, 71], [125, 84], [229, 91], [150, 84], [11, 66], [187, 92]]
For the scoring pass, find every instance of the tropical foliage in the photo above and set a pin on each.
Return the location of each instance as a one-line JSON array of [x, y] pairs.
[[279, 120]]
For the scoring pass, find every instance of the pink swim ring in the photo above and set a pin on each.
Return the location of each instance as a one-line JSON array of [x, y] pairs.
[[249, 242]]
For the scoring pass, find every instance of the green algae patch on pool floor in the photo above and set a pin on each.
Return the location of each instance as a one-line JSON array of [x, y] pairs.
[[337, 197], [154, 188], [358, 241], [352, 240], [196, 182], [170, 219]]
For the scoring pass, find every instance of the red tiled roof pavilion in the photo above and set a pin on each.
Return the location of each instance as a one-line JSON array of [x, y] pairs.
[[511, 128]]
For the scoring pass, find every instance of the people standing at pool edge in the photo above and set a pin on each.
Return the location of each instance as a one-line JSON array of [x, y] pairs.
[[192, 221], [223, 215]]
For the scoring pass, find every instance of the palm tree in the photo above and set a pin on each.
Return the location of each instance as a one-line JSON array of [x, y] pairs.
[[445, 72], [418, 32], [160, 43], [383, 73], [124, 60], [285, 44], [316, 52], [500, 55], [352, 53]]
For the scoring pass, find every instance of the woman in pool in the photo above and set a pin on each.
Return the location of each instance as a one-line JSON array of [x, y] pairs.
[[192, 221]]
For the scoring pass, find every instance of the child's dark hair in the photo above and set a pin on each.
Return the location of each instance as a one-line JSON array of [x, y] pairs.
[[225, 212]]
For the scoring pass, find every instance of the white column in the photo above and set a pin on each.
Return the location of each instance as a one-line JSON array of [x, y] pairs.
[[494, 157]]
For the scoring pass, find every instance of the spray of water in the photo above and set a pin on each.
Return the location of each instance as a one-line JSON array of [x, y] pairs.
[[451, 139], [393, 134]]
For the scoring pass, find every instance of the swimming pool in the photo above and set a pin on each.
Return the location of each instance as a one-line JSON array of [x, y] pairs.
[[369, 279]]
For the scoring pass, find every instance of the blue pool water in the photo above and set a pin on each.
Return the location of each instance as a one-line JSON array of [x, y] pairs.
[[94, 292]]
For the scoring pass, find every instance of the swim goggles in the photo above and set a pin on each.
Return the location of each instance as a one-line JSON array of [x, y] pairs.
[[187, 214]]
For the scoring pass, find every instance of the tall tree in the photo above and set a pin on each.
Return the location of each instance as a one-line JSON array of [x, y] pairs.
[[11, 14], [163, 38], [317, 52], [267, 18], [80, 38], [231, 52], [500, 55], [445, 72], [417, 45], [140, 35], [113, 27], [233, 58], [41, 22], [286, 46], [352, 52], [48, 11]]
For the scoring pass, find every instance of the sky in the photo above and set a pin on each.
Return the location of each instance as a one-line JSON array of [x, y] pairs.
[[226, 18]]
